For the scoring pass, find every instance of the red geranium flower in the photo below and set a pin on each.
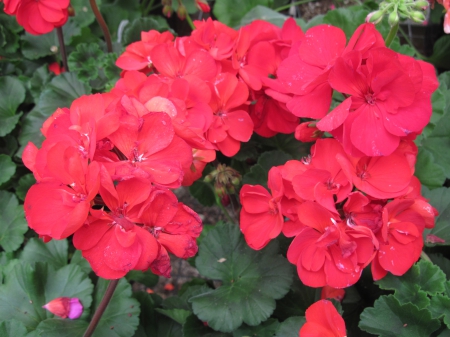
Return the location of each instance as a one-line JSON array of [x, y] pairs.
[[323, 320]]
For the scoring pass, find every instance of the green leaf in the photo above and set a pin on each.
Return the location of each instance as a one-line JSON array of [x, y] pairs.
[[115, 11], [25, 182], [178, 315], [203, 193], [9, 39], [259, 172], [441, 53], [84, 15], [132, 31], [440, 307], [251, 280], [12, 93], [59, 93], [422, 279], [56, 327], [388, 318], [147, 278], [440, 199], [287, 144], [429, 173], [53, 252], [13, 328], [348, 19], [297, 300], [79, 260], [7, 168], [442, 262], [121, 317], [27, 289], [12, 222], [267, 329], [195, 328], [263, 13], [225, 10], [291, 327], [39, 80], [36, 46]]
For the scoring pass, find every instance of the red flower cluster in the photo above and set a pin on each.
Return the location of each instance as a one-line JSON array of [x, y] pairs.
[[103, 174], [215, 79], [344, 212], [38, 17], [354, 200]]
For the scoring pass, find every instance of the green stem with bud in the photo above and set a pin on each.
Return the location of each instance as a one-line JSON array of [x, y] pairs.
[[392, 34]]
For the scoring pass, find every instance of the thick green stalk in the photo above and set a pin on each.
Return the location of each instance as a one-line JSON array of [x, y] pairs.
[[392, 34], [189, 20]]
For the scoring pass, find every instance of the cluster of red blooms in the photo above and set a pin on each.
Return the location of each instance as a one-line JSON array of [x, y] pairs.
[[354, 201], [38, 16]]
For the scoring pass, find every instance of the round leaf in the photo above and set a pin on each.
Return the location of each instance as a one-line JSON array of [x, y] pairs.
[[53, 252], [12, 92], [12, 222], [7, 168]]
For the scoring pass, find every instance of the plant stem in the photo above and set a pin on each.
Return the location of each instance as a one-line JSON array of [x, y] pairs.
[[424, 256], [282, 8], [224, 210], [405, 36], [189, 20], [392, 34], [102, 24], [149, 7], [101, 308], [62, 48]]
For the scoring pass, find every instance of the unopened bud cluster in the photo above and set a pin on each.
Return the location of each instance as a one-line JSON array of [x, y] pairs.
[[399, 9], [226, 180]]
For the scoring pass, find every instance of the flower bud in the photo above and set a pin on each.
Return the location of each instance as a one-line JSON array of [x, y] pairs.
[[417, 16], [167, 11], [393, 19], [181, 12], [421, 4], [307, 132], [203, 6], [375, 17], [65, 307]]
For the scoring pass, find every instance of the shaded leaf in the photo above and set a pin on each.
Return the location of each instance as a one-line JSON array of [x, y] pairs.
[[291, 327], [196, 328], [178, 315], [12, 222], [266, 329], [440, 308], [147, 278], [53, 252], [263, 13], [440, 199], [225, 10], [12, 93], [203, 193], [56, 327], [252, 280], [388, 318], [13, 328], [79, 260], [25, 182], [348, 19], [132, 31], [7, 168]]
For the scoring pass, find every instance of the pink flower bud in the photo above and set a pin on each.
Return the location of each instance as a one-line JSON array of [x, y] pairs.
[[65, 307], [203, 6]]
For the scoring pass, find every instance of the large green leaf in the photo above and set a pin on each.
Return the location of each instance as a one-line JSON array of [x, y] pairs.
[[12, 222], [7, 168], [388, 318], [203, 193], [226, 10], [132, 31], [251, 280], [440, 308], [263, 13], [26, 289], [121, 317], [59, 93], [291, 327], [39, 80], [429, 173], [441, 53], [12, 328], [348, 19], [56, 327], [266, 329], [36, 46], [195, 328], [259, 172], [440, 199], [53, 252], [424, 278], [12, 93], [84, 15]]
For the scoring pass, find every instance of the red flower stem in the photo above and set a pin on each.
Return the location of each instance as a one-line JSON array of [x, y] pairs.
[[102, 24], [101, 308], [62, 48], [392, 34]]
